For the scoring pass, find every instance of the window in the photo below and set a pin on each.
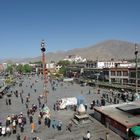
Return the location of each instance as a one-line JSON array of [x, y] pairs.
[[125, 73], [125, 81], [132, 74], [138, 74], [113, 80], [118, 73], [112, 73]]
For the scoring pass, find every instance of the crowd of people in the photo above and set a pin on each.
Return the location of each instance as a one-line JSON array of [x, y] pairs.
[[35, 117], [14, 124]]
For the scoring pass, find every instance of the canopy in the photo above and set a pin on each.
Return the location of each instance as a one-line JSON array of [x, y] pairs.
[[136, 130], [46, 112], [80, 100]]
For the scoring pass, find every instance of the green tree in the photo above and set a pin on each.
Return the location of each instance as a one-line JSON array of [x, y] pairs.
[[37, 62], [24, 68], [19, 68], [62, 70], [9, 69], [64, 64], [27, 68]]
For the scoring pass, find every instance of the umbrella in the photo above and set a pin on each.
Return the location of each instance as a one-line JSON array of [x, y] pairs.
[[136, 130]]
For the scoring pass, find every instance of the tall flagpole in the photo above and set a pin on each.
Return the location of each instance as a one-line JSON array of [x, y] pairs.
[[44, 69]]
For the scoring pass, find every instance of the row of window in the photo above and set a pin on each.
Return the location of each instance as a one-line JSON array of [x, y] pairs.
[[119, 73], [125, 73]]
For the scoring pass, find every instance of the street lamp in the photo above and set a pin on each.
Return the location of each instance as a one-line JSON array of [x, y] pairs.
[[136, 66]]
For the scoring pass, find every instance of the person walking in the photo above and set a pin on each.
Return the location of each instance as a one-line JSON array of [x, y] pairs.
[[69, 126], [9, 101], [18, 137], [6, 101], [22, 128], [8, 131], [54, 123], [88, 135], [49, 122], [31, 119], [33, 127], [25, 138], [39, 123], [59, 126]]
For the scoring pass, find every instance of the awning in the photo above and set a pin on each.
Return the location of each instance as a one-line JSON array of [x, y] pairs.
[[136, 130]]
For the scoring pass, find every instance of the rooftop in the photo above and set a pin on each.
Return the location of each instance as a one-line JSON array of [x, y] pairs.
[[127, 114]]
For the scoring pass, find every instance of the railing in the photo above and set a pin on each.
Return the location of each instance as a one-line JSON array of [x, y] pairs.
[[108, 85]]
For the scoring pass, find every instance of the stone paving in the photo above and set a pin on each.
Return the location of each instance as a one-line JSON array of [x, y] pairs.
[[97, 130]]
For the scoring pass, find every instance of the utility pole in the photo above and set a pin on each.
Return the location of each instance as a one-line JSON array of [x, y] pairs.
[[136, 66], [43, 50]]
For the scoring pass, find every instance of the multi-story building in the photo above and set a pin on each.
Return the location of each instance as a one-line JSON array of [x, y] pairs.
[[132, 76], [119, 75], [112, 64]]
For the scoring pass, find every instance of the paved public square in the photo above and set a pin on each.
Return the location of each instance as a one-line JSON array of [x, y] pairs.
[[98, 131]]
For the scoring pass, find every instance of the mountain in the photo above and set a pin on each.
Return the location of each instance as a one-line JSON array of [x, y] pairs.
[[109, 49], [106, 50]]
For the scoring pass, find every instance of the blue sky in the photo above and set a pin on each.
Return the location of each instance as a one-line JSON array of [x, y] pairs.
[[64, 24]]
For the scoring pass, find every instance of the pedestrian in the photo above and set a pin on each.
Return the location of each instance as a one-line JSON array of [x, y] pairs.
[[9, 101], [88, 136], [3, 132], [26, 105], [31, 119], [89, 92], [18, 137], [46, 121], [8, 131], [25, 138], [69, 126], [86, 107], [14, 127], [54, 107], [107, 136], [54, 123], [49, 122], [41, 114], [33, 127], [21, 128], [6, 101], [59, 125], [39, 123], [22, 100]]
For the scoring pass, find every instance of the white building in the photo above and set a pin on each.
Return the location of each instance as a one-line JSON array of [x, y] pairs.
[[50, 66], [75, 58], [5, 65], [112, 64]]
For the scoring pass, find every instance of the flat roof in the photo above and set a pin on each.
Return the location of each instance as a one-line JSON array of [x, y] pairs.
[[118, 112], [128, 107]]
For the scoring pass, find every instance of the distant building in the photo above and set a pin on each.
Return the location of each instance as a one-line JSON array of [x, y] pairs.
[[119, 75], [112, 64], [132, 75], [1, 68], [75, 58], [5, 65]]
